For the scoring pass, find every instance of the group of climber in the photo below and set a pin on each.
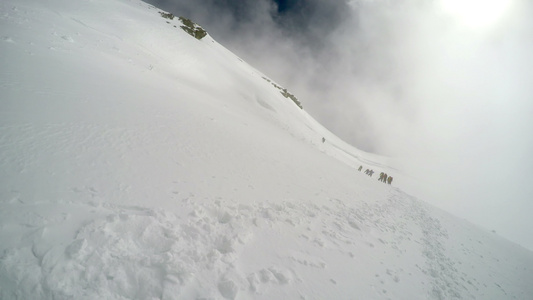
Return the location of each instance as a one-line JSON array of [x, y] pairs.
[[383, 177]]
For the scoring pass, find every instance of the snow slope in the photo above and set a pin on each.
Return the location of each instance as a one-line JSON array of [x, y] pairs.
[[137, 162]]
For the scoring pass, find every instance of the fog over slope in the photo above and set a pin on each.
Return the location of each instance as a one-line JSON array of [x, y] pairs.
[[442, 86], [138, 162]]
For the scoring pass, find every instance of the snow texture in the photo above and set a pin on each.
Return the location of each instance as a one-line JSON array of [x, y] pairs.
[[137, 162]]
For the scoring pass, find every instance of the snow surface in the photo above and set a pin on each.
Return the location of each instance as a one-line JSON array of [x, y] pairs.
[[137, 162]]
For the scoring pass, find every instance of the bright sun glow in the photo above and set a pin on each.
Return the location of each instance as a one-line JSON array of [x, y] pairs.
[[476, 13]]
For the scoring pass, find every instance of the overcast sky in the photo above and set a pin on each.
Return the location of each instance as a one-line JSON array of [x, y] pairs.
[[445, 87]]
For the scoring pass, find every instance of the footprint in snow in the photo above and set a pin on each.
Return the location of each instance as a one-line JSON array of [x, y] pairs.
[[67, 38], [8, 39]]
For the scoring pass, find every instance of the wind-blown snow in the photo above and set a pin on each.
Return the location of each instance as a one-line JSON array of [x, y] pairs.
[[137, 162]]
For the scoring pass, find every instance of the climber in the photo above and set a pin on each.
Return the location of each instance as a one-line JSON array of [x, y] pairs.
[[381, 175]]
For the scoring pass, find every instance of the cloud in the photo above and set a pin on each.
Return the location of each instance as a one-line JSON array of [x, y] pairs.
[[405, 79]]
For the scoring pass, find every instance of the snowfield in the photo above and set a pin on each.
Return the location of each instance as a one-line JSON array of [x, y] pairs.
[[137, 162]]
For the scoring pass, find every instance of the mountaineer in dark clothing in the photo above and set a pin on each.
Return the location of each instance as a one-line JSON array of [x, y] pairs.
[[382, 177]]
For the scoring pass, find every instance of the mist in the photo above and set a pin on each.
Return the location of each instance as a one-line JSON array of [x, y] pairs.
[[451, 104]]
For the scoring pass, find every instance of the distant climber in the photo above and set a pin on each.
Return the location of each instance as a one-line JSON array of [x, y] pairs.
[[370, 173], [382, 177], [323, 140], [360, 168], [389, 180]]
